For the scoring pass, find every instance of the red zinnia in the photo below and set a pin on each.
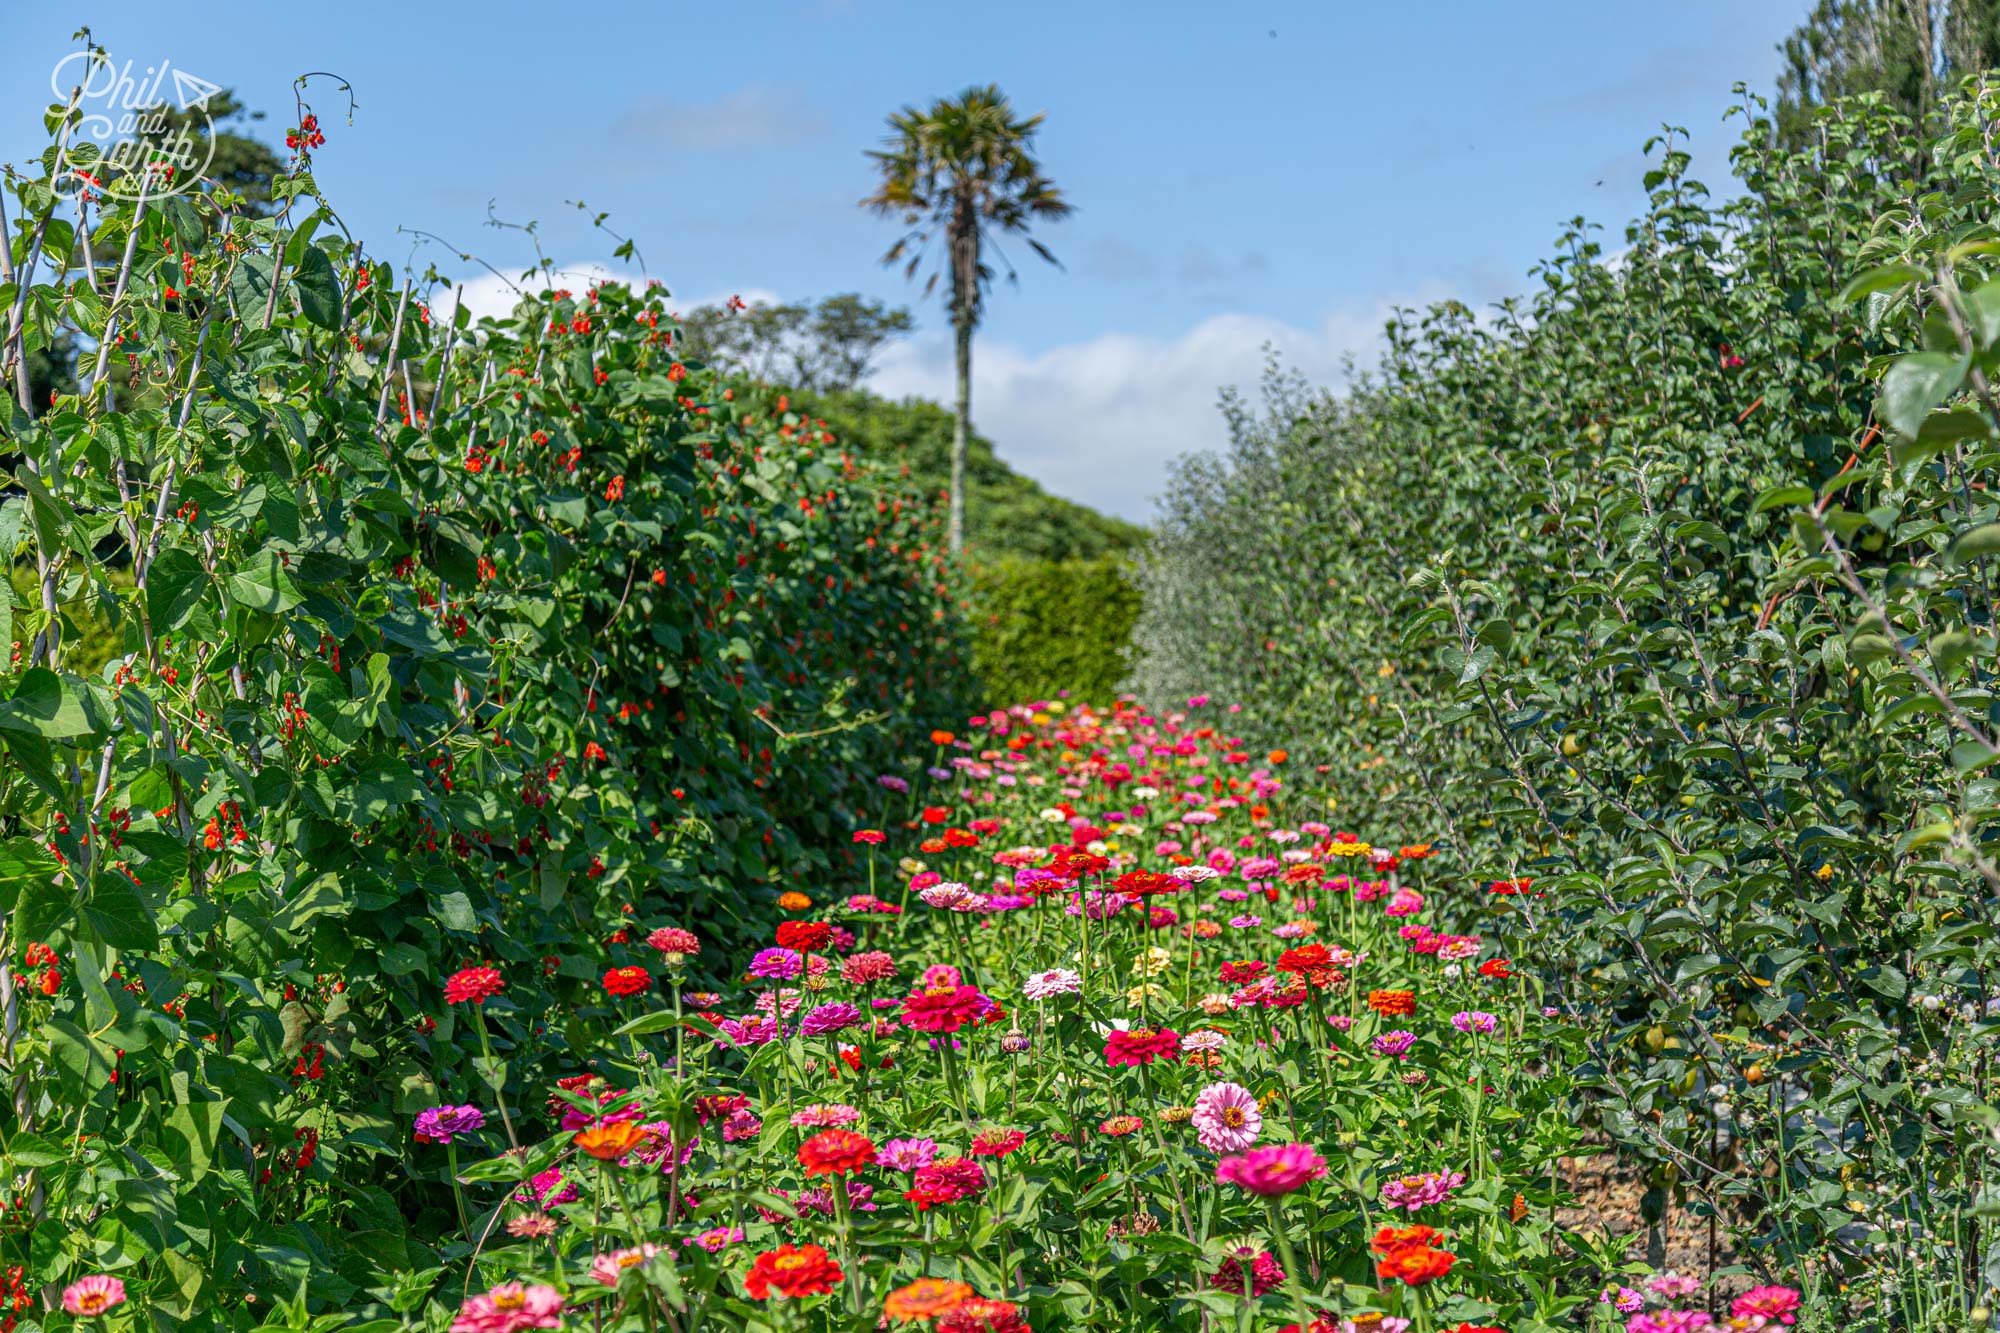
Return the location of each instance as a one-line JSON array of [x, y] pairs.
[[872, 836], [1144, 883], [474, 984], [1243, 973], [805, 936], [1499, 969], [997, 1142], [627, 980], [1140, 1046], [1307, 958], [791, 1270], [979, 1315], [836, 1152]]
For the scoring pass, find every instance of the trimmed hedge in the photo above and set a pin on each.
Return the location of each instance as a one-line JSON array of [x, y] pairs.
[[1043, 627]]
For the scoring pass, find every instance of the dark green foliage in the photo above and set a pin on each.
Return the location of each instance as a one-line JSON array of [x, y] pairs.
[[1669, 589], [579, 644], [1043, 626]]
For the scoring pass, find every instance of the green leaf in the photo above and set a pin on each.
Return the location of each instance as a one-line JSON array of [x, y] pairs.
[[1914, 385], [1980, 541], [24, 864], [56, 708], [116, 916], [318, 288], [1886, 278], [175, 585], [262, 584], [250, 288]]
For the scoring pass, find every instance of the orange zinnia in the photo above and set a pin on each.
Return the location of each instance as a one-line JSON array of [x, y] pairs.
[[1392, 1003], [794, 901], [926, 1298], [608, 1143], [1415, 1265]]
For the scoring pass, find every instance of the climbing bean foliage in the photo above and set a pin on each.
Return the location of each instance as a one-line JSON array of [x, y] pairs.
[[1665, 592], [435, 643]]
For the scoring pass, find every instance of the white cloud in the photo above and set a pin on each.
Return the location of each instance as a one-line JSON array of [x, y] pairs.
[[1099, 421]]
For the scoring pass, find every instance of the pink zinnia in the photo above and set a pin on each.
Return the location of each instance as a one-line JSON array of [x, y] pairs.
[[93, 1295], [1140, 1046], [607, 1268], [1779, 1303], [1265, 1273], [509, 1308], [1226, 1117], [944, 1008], [674, 942], [863, 968], [1278, 1169], [1414, 1192]]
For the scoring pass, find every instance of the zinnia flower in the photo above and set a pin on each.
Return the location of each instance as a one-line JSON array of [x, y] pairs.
[[1278, 1169], [944, 1008], [926, 1298], [606, 1268], [836, 1152], [997, 1142], [1414, 1265], [475, 985], [835, 1017], [980, 1315], [510, 1308], [1413, 1192], [93, 1295], [441, 1124], [627, 981], [1140, 1046], [1055, 981], [777, 965], [1779, 1303], [1226, 1117], [675, 943], [791, 1270], [610, 1141], [908, 1154], [1265, 1273]]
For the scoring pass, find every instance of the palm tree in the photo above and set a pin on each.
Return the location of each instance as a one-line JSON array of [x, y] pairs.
[[963, 172]]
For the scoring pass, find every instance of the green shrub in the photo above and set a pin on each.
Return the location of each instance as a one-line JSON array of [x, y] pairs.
[[1040, 627], [1662, 597]]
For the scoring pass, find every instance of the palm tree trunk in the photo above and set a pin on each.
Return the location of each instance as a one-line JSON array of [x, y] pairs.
[[961, 429]]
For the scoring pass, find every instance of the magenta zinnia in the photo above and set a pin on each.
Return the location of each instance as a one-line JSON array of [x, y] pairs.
[[1278, 1169], [1140, 1046]]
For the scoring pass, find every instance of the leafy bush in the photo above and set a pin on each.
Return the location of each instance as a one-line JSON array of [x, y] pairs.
[[1678, 625], [1039, 627], [435, 646]]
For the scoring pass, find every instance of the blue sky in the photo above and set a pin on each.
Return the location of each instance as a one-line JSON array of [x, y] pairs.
[[1243, 173]]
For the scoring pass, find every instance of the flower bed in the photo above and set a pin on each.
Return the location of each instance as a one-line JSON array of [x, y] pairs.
[[1123, 1036]]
